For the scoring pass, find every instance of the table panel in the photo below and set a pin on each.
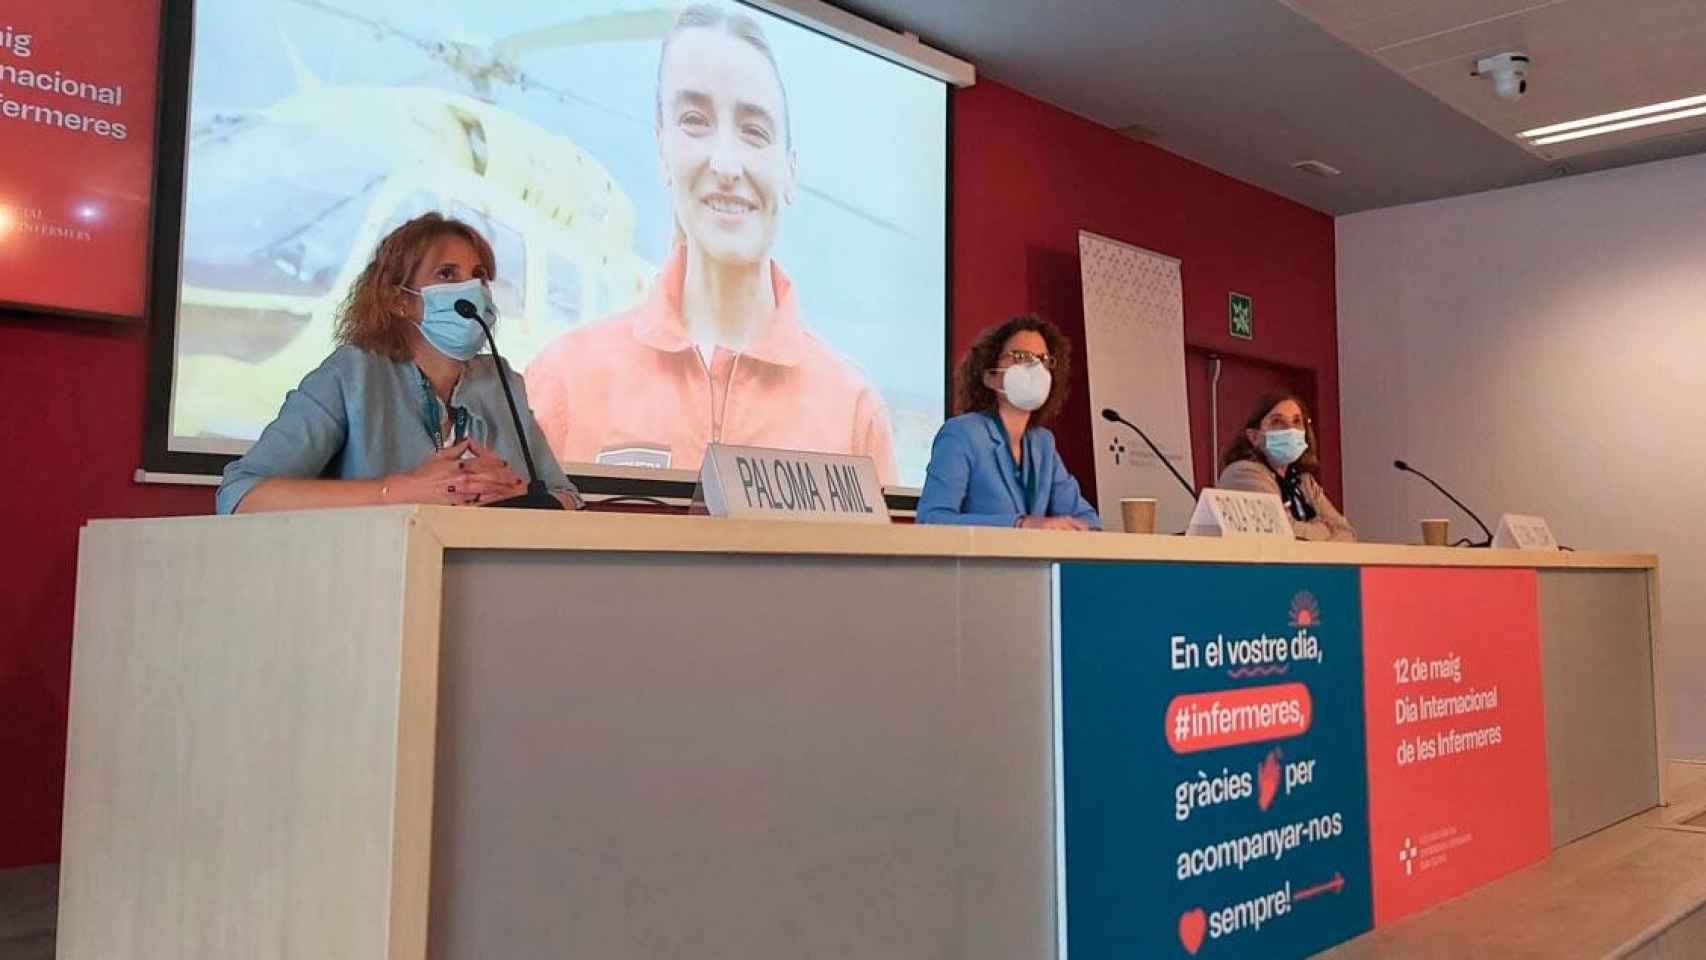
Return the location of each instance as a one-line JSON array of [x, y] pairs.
[[672, 756], [1601, 736]]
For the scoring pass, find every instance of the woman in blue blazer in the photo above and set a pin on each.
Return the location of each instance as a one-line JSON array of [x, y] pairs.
[[993, 465]]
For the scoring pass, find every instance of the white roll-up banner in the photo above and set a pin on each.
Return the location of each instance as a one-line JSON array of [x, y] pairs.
[[1134, 354]]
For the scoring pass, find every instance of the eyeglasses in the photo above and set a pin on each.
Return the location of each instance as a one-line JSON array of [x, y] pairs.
[[1286, 423], [1019, 358]]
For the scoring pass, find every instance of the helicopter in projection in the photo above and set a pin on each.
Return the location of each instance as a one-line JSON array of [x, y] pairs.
[[286, 203]]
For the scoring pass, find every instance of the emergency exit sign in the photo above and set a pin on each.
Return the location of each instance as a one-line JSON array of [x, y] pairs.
[[1241, 316]]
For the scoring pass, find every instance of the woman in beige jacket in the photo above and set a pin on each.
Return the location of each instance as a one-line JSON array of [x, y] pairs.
[[1276, 454]]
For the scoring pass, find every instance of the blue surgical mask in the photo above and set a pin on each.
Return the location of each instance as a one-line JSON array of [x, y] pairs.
[[449, 332], [1283, 447]]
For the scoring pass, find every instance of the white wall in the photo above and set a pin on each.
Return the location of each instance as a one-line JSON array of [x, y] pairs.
[[1541, 350]]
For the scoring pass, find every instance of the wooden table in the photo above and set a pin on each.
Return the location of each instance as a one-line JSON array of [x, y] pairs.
[[352, 733]]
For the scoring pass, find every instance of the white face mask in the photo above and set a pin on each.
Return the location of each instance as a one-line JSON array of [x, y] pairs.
[[1026, 385]]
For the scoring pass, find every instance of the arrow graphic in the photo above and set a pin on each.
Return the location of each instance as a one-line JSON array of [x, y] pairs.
[[1331, 886]]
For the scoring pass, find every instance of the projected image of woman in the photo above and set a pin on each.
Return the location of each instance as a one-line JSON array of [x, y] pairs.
[[718, 351]]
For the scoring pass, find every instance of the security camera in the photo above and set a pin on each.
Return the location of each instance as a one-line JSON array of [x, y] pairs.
[[1509, 72]]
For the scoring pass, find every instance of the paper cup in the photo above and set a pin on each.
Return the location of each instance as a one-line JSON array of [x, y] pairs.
[[1137, 514], [1436, 533]]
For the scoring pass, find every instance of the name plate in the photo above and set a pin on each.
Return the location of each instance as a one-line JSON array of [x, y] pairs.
[[1519, 532], [1239, 513], [754, 482]]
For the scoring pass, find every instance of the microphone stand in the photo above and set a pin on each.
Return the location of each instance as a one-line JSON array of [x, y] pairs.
[[1460, 505], [537, 497], [1110, 414]]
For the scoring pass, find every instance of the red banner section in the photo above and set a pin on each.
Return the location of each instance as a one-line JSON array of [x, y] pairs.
[[1456, 731], [77, 93]]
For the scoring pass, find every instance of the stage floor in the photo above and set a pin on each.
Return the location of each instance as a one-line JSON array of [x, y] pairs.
[[1634, 889]]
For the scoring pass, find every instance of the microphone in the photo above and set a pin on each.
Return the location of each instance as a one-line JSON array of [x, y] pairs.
[[1109, 413], [537, 496], [1409, 469]]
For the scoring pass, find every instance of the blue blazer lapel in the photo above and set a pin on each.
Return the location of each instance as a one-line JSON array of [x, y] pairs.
[[1037, 469], [1004, 465], [1003, 461]]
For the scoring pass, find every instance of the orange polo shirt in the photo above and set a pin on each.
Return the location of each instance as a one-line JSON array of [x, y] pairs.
[[633, 390]]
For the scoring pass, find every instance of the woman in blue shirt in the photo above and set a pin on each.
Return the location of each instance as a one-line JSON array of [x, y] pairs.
[[994, 465], [403, 411]]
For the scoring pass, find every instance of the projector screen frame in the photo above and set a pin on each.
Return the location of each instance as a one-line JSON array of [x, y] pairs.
[[176, 68]]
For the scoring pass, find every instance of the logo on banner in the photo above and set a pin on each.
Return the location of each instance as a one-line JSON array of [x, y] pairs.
[[1305, 610], [1118, 449], [1435, 851]]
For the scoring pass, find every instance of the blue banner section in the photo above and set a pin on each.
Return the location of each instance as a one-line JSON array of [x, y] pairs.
[[1214, 772]]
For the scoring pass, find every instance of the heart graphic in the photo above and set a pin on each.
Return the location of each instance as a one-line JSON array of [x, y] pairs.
[[1268, 777], [1192, 925]]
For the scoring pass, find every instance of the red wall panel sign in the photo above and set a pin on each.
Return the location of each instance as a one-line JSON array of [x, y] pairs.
[[77, 99], [1456, 732]]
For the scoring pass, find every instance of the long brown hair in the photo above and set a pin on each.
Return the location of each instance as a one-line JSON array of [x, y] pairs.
[[1243, 449], [971, 394], [369, 317]]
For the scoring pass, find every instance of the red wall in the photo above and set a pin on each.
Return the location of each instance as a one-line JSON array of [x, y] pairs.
[[72, 432], [1027, 177]]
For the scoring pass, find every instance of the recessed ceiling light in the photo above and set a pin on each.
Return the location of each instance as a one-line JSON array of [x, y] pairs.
[[1625, 125], [1618, 120]]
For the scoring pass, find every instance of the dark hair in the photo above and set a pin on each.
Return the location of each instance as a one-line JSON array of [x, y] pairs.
[[1243, 449], [971, 394], [368, 318], [737, 24]]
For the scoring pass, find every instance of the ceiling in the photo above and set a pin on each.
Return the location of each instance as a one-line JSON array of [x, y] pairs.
[[1590, 57], [1379, 89]]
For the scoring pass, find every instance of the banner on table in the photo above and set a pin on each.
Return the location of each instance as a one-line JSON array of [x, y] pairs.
[[1456, 732], [1134, 355], [1212, 793], [1270, 760]]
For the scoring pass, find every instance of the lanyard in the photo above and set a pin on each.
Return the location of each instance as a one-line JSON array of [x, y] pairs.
[[1291, 491], [432, 416]]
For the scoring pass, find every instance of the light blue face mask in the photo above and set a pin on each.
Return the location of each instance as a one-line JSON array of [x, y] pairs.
[[449, 332], [1283, 447]]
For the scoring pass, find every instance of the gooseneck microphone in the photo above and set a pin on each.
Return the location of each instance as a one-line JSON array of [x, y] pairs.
[[1109, 413], [1460, 505], [537, 497]]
